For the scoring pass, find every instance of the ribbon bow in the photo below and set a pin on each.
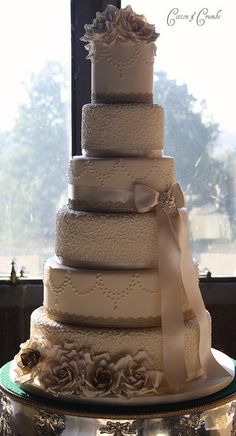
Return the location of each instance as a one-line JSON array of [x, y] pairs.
[[176, 271], [146, 198]]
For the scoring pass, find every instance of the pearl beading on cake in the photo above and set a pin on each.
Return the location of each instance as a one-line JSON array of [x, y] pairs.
[[162, 168], [138, 129], [68, 292], [85, 239], [122, 64], [115, 295]]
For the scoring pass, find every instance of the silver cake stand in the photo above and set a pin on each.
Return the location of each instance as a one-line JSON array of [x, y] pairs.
[[25, 414]]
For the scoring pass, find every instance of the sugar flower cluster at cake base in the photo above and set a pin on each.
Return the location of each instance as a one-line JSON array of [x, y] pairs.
[[116, 23], [64, 369]]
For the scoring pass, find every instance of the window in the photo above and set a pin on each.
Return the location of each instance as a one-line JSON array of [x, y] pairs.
[[34, 128], [195, 82]]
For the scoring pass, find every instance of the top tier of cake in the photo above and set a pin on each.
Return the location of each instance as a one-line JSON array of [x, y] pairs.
[[121, 49]]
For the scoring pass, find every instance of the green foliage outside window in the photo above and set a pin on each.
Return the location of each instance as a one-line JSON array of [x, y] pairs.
[[191, 141], [34, 164]]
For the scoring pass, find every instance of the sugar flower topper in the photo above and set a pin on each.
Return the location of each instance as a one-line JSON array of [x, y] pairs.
[[116, 23]]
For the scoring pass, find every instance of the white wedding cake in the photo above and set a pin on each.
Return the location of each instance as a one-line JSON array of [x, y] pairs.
[[123, 318]]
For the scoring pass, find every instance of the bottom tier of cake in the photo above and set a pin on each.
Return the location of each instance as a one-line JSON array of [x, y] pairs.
[[99, 362], [102, 364]]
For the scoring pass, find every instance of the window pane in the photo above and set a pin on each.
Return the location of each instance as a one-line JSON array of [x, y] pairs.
[[195, 82], [34, 128]]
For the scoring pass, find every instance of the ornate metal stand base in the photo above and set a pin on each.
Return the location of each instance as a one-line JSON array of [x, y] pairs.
[[26, 415]]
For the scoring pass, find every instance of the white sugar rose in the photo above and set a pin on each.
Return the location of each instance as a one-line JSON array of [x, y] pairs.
[[136, 27], [102, 378], [121, 377], [116, 23], [64, 369], [29, 359], [140, 376], [104, 25]]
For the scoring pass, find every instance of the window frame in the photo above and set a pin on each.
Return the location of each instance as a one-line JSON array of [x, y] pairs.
[[81, 12]]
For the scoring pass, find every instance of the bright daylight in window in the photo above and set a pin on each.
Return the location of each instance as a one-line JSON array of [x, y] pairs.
[[34, 128], [194, 81]]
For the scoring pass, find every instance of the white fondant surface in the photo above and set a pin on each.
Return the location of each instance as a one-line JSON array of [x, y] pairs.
[[106, 240], [122, 129], [122, 68], [104, 297]]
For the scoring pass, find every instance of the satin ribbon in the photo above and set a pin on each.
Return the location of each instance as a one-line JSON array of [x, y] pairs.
[[122, 98], [176, 268], [102, 195], [100, 152]]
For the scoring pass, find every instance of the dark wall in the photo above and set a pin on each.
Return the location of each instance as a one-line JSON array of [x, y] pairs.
[[220, 300], [16, 305]]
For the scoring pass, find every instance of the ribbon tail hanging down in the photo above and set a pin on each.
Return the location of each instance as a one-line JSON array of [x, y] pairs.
[[173, 328], [176, 269], [209, 364]]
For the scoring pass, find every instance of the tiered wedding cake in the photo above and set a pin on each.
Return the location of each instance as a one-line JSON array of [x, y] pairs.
[[123, 318]]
